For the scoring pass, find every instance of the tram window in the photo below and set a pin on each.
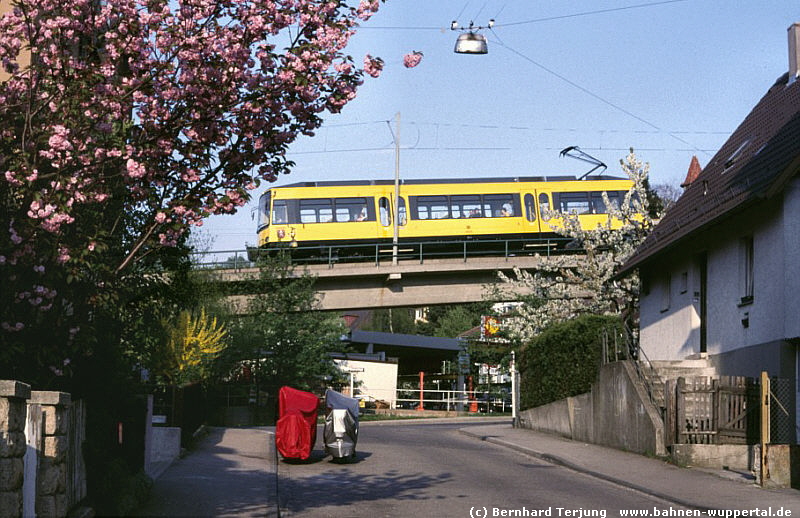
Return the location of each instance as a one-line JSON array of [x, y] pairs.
[[263, 209], [351, 209], [530, 207], [573, 202], [614, 198], [316, 211], [432, 207], [383, 211], [402, 219], [500, 205], [280, 212], [466, 206], [598, 205], [544, 205]]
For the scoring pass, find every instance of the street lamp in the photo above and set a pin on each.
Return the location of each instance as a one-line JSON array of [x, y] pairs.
[[470, 41]]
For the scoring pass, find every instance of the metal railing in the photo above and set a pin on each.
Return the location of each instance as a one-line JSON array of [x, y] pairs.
[[382, 253], [629, 349], [452, 400]]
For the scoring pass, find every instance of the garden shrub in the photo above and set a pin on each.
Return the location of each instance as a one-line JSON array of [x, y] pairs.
[[563, 360]]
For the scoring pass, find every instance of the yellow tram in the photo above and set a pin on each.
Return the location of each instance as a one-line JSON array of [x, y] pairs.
[[352, 214]]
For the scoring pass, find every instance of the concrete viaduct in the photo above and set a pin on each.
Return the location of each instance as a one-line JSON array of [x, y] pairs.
[[353, 286]]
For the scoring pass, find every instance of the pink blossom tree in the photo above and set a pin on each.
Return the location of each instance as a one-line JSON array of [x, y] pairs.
[[135, 120]]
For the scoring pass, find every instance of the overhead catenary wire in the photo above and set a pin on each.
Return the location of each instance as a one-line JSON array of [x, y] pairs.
[[523, 22], [528, 128], [589, 13], [598, 97]]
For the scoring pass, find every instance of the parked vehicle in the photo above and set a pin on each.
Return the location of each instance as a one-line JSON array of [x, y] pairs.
[[340, 433], [296, 430]]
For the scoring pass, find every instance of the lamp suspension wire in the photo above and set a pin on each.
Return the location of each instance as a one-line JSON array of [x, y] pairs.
[[602, 99]]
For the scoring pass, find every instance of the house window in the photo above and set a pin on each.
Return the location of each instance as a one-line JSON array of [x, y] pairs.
[[747, 270], [684, 282], [666, 293]]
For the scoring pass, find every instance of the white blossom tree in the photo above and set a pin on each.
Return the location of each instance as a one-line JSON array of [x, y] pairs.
[[566, 286]]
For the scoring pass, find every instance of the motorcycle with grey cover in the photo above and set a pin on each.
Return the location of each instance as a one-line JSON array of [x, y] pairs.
[[340, 433]]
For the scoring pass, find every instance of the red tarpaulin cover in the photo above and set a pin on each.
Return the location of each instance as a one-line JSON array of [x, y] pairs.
[[296, 431]]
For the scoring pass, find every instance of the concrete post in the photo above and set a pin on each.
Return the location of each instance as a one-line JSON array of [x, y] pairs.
[[13, 411], [51, 498]]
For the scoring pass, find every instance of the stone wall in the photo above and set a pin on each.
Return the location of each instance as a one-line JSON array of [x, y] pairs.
[[13, 411], [46, 495], [51, 487]]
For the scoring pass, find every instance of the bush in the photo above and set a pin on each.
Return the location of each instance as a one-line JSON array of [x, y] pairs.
[[563, 360]]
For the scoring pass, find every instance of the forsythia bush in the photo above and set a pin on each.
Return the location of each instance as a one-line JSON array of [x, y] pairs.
[[194, 340]]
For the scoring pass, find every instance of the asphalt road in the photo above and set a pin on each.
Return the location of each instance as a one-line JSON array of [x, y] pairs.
[[431, 470]]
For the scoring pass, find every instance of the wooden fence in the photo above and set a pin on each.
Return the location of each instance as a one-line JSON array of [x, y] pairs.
[[703, 410]]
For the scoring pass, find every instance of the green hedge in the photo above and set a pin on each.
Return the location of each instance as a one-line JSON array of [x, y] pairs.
[[563, 360]]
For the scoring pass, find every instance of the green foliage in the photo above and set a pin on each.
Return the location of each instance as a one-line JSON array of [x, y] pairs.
[[563, 360], [392, 320], [451, 321], [121, 492], [284, 337]]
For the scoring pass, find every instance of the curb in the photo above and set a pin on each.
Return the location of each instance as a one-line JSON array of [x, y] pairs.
[[554, 459], [439, 420]]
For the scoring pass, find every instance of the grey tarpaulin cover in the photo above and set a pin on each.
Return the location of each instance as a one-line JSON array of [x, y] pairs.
[[341, 425]]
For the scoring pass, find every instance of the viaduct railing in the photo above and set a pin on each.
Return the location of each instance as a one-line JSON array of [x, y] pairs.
[[416, 251]]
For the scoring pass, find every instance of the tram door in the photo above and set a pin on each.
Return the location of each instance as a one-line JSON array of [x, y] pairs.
[[532, 220], [385, 215]]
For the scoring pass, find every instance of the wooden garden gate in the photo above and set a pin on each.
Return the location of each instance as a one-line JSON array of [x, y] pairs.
[[702, 410]]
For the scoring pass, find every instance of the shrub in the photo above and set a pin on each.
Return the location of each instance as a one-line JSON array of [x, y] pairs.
[[563, 360]]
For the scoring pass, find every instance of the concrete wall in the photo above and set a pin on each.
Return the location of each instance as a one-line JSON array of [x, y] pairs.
[[166, 445], [739, 457], [624, 417], [615, 413], [554, 418]]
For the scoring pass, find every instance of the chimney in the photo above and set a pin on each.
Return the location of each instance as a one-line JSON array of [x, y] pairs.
[[794, 51]]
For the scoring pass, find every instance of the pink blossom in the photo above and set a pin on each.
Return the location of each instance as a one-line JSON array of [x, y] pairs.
[[373, 66], [209, 102], [412, 59], [12, 179], [63, 255], [135, 169]]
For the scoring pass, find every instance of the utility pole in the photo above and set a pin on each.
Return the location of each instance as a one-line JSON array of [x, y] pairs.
[[396, 188]]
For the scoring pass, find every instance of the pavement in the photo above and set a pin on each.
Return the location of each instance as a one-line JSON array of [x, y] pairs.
[[230, 473], [238, 461], [693, 488]]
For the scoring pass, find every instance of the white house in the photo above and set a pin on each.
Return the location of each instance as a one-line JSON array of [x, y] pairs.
[[721, 271]]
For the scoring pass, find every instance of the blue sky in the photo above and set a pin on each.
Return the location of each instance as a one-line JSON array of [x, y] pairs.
[[671, 79]]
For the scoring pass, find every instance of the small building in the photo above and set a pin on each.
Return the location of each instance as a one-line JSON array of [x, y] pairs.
[[373, 376], [414, 353]]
